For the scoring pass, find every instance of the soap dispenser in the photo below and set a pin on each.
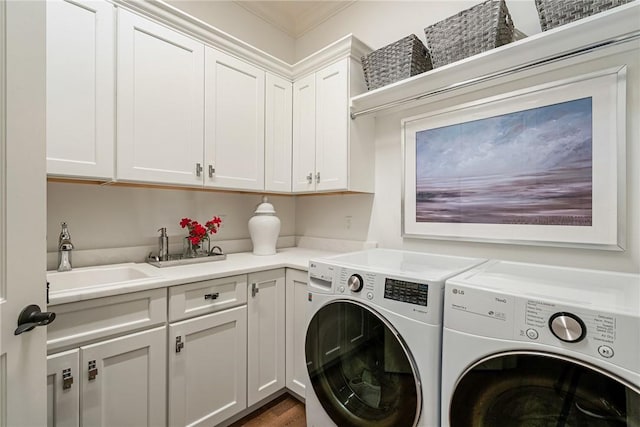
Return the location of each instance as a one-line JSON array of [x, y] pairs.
[[163, 245], [264, 228]]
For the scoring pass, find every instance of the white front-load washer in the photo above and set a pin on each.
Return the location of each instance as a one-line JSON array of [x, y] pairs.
[[372, 345], [534, 345]]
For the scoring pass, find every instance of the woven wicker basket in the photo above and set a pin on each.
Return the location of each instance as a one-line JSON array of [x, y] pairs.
[[480, 28], [553, 13], [397, 61]]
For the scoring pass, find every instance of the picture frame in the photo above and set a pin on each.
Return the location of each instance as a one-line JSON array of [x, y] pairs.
[[540, 166]]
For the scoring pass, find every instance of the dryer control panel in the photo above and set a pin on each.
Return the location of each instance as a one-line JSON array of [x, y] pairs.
[[610, 337]]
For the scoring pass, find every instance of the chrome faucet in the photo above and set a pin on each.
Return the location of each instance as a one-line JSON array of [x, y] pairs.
[[64, 249]]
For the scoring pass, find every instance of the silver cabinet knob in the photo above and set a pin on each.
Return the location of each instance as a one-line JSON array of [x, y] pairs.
[[355, 283], [567, 327], [310, 178]]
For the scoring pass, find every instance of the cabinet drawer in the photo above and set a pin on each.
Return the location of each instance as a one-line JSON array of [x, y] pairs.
[[85, 321], [195, 299]]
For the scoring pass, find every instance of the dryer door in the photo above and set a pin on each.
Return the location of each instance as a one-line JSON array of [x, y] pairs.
[[360, 368], [538, 389]]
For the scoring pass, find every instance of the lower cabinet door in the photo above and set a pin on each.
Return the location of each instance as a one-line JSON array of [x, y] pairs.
[[124, 381], [296, 326], [208, 368], [63, 389], [266, 343]]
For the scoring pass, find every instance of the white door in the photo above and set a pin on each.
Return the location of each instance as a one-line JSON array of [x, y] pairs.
[[332, 126], [265, 335], [208, 368], [160, 103], [234, 123], [124, 381], [277, 144], [304, 134], [80, 88], [23, 373], [296, 326]]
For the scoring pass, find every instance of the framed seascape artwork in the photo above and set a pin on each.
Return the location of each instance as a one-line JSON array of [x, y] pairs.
[[541, 166]]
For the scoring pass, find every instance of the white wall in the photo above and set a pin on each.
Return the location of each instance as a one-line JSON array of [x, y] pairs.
[[242, 24], [378, 23], [119, 224], [323, 216]]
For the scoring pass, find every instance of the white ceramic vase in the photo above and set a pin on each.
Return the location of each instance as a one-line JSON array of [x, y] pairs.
[[264, 228]]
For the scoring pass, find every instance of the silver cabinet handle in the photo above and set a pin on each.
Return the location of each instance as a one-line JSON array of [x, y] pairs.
[[67, 379], [254, 289], [310, 177], [93, 370], [212, 171], [318, 178], [198, 169]]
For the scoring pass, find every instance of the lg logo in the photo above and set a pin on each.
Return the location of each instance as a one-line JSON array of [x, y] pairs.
[[457, 291]]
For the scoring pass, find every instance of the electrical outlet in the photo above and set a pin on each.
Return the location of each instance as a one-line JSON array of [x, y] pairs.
[[223, 217], [347, 222]]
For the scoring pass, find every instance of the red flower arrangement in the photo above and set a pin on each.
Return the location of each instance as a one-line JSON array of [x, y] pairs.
[[197, 232]]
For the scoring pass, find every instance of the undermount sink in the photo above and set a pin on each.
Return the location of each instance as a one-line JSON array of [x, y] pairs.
[[95, 276]]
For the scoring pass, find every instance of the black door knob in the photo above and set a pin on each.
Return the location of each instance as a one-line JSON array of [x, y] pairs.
[[31, 316]]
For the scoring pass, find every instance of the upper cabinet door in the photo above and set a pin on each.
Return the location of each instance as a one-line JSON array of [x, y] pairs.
[[160, 103], [332, 126], [234, 123], [80, 88], [304, 134], [277, 155]]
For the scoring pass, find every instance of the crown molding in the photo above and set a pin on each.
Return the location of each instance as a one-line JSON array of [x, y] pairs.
[[287, 19], [174, 18], [281, 21], [311, 18], [347, 46]]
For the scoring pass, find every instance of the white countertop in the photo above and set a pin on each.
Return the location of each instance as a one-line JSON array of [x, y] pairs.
[[239, 263]]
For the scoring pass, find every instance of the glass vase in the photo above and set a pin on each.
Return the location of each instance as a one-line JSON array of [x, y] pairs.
[[189, 250]]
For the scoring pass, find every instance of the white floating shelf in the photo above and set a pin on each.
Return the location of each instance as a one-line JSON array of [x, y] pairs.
[[615, 26]]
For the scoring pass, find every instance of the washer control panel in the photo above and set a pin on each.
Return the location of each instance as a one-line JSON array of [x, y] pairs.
[[409, 296], [410, 292]]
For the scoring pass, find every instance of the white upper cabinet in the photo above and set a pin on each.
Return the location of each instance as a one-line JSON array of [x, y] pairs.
[[332, 121], [234, 123], [160, 103], [278, 134], [142, 102], [304, 134], [80, 88], [331, 152]]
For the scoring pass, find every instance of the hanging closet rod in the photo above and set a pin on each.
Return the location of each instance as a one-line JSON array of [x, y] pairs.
[[527, 66]]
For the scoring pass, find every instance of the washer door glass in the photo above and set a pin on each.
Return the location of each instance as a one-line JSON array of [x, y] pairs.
[[360, 368], [525, 389]]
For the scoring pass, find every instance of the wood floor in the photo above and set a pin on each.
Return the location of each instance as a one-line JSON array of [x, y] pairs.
[[284, 411]]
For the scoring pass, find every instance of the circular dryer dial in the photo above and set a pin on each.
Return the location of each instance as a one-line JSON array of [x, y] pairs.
[[355, 283], [567, 327]]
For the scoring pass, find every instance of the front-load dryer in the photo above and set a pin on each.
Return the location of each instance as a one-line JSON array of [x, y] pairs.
[[533, 345], [372, 345]]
